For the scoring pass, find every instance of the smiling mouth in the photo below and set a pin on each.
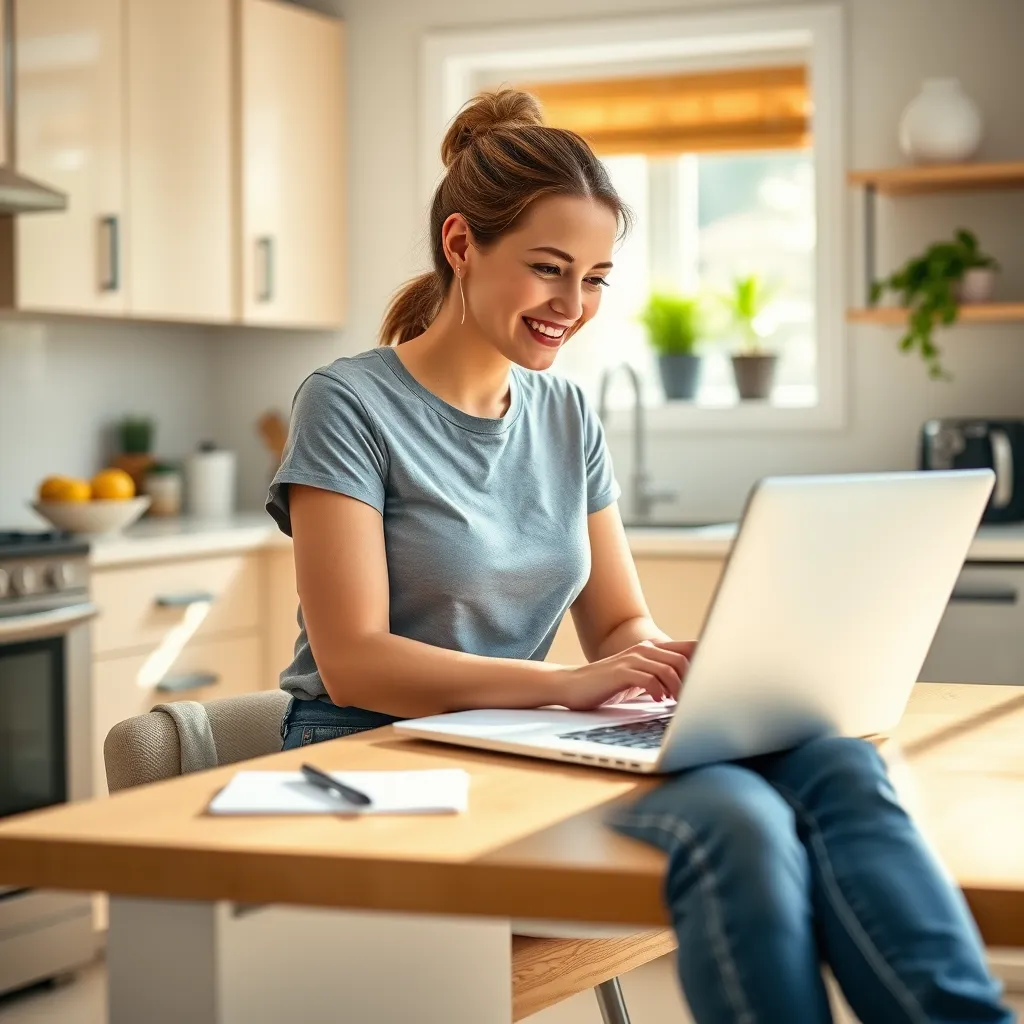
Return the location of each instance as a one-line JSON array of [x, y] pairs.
[[545, 333]]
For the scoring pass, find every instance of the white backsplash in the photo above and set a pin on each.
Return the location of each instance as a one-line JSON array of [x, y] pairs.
[[63, 384]]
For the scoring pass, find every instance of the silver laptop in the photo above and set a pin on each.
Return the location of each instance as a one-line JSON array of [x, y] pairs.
[[822, 619]]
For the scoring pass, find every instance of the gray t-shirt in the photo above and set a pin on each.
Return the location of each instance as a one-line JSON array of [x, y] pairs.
[[485, 520]]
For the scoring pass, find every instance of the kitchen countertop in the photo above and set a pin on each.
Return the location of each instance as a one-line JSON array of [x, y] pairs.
[[157, 540]]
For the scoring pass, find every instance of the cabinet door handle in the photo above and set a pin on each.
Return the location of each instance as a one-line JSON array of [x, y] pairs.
[[185, 599], [265, 248], [112, 226], [992, 595], [187, 681]]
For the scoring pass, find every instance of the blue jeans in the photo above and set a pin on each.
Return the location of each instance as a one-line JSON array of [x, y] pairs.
[[782, 862], [314, 721]]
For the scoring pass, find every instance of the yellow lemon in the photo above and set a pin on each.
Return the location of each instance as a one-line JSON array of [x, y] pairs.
[[112, 485], [64, 488], [52, 487]]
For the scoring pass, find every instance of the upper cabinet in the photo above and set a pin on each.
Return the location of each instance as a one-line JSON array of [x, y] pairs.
[[200, 144], [292, 166], [178, 88], [70, 134]]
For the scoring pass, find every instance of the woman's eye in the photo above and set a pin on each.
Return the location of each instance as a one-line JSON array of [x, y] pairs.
[[545, 268], [598, 282]]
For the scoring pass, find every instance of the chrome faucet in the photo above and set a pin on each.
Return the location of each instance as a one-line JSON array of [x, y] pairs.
[[643, 499]]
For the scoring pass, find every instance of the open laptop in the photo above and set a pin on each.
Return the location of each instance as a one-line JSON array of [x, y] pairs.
[[821, 621]]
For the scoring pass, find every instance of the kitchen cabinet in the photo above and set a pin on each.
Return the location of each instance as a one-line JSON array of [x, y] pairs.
[[200, 143], [282, 603], [678, 590], [70, 134], [181, 629], [179, 100], [292, 108]]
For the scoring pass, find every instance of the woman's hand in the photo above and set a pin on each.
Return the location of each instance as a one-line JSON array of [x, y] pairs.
[[655, 668]]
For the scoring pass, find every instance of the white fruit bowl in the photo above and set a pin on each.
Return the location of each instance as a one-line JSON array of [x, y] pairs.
[[95, 517]]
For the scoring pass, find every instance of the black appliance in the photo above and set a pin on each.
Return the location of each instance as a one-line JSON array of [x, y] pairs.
[[981, 444]]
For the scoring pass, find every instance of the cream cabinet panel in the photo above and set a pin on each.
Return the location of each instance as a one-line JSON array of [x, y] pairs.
[[281, 622], [70, 136], [124, 687], [292, 110], [178, 90], [170, 604], [678, 592]]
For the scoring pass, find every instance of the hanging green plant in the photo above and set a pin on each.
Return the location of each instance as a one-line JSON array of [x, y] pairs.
[[927, 286]]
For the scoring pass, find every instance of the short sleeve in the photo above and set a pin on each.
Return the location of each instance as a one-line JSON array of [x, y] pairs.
[[332, 444], [602, 487]]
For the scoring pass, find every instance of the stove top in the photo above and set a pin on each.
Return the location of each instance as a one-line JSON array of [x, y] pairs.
[[33, 543]]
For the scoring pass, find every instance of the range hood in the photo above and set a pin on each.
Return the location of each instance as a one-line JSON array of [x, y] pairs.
[[18, 194]]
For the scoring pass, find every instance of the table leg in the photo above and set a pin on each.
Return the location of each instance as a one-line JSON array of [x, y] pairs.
[[217, 963]]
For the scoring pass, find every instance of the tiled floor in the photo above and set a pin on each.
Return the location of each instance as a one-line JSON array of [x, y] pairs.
[[82, 1000], [650, 993]]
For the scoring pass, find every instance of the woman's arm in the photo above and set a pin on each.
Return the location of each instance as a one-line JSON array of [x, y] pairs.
[[611, 614]]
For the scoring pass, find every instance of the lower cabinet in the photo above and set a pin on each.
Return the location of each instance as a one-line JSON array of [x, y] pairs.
[[128, 686], [678, 592]]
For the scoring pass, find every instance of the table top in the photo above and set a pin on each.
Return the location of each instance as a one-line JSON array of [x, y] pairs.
[[532, 845]]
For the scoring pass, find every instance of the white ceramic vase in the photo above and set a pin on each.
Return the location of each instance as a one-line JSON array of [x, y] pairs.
[[941, 124], [978, 285]]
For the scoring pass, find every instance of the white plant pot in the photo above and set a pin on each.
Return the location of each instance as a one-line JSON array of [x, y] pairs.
[[978, 285], [941, 124]]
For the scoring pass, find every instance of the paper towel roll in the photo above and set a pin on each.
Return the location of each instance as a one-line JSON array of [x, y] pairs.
[[210, 484]]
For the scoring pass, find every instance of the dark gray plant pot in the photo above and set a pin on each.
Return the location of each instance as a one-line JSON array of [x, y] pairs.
[[755, 375], [680, 376]]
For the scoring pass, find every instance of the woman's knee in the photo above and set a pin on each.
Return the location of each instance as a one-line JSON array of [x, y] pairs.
[[836, 768], [724, 829]]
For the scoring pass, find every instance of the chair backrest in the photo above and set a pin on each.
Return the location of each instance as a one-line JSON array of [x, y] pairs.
[[146, 748]]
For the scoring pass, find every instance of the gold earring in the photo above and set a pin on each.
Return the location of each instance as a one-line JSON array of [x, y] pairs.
[[462, 294]]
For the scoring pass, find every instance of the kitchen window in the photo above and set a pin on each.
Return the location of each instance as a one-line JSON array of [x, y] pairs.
[[702, 221]]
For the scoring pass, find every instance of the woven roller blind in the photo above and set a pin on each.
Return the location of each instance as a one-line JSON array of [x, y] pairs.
[[706, 112]]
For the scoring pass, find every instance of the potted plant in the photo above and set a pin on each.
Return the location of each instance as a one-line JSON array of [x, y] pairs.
[[932, 286], [135, 441], [753, 366], [673, 328]]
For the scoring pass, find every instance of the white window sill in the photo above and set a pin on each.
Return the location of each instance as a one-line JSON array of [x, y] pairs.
[[747, 417]]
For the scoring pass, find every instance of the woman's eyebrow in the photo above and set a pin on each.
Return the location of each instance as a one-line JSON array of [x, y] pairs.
[[565, 256]]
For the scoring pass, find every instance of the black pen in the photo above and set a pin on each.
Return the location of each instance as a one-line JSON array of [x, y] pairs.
[[331, 784]]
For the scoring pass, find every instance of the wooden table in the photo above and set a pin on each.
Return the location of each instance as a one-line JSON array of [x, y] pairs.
[[421, 930]]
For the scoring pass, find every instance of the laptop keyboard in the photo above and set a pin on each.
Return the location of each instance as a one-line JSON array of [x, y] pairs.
[[643, 735]]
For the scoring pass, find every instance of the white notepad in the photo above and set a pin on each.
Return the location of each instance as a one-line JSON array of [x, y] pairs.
[[435, 791]]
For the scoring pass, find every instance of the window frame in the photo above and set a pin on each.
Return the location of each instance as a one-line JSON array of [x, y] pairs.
[[452, 60]]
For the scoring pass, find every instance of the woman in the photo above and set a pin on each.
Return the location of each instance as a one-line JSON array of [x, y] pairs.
[[449, 504]]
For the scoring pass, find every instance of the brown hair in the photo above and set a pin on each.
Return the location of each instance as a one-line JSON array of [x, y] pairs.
[[499, 157]]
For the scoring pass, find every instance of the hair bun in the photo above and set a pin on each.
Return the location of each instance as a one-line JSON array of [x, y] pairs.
[[489, 112]]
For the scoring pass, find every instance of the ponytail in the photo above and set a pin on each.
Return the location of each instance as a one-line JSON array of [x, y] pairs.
[[413, 309]]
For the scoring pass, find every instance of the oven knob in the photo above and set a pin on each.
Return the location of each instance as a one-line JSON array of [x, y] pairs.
[[5, 583], [23, 579], [60, 575]]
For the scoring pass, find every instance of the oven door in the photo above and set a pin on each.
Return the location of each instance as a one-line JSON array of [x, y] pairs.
[[44, 708]]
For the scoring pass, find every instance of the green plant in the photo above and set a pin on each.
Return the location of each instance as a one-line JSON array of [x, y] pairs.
[[136, 435], [749, 298], [926, 285], [673, 323]]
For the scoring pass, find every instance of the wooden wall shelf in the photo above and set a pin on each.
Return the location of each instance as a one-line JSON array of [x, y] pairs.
[[932, 178], [976, 313]]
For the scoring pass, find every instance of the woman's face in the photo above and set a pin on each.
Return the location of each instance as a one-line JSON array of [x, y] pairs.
[[540, 283]]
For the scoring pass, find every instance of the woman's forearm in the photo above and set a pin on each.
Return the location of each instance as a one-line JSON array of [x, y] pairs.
[[629, 633], [408, 679]]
